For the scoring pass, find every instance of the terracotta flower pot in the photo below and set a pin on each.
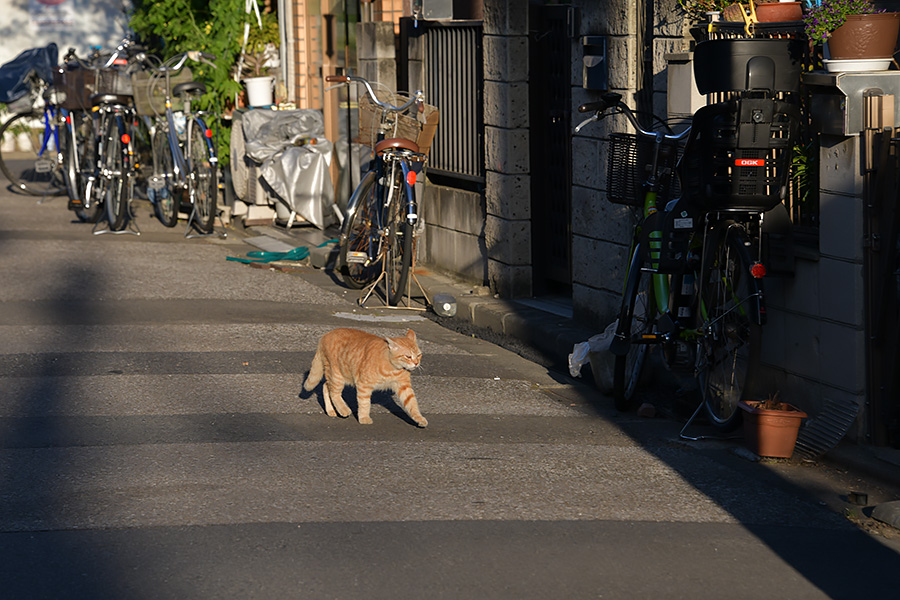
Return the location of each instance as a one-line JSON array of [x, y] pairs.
[[771, 433], [774, 12], [865, 36]]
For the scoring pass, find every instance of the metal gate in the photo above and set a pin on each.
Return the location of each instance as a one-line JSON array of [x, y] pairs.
[[551, 154], [453, 82]]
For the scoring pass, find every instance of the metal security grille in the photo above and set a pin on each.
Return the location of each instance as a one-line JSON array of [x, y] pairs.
[[453, 82]]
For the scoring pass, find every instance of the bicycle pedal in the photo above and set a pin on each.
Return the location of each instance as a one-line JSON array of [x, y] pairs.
[[156, 183], [43, 166], [357, 257]]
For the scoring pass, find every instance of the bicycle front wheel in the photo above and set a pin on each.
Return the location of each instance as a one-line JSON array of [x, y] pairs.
[[161, 186], [360, 253], [33, 166], [203, 178], [400, 237], [730, 346], [639, 312], [115, 184], [79, 164]]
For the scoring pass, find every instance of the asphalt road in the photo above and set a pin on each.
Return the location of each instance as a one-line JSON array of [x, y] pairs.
[[155, 443]]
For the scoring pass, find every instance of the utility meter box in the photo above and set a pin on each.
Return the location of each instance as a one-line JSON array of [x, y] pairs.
[[596, 67], [682, 97], [435, 10], [838, 100]]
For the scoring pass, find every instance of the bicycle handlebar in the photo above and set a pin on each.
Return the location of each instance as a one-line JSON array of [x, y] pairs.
[[614, 101], [418, 96]]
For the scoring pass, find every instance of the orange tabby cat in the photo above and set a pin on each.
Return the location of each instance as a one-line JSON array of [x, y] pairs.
[[369, 363]]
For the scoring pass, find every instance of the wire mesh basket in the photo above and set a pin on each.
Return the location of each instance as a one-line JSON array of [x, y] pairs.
[[409, 124], [628, 167], [113, 81], [150, 90]]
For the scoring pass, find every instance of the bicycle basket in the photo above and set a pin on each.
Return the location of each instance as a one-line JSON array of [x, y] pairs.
[[76, 84], [628, 164], [409, 124], [150, 90], [113, 81]]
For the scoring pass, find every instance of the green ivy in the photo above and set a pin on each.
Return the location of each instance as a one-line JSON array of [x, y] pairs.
[[169, 27]]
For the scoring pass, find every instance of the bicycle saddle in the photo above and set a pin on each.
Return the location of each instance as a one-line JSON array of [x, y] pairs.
[[97, 99], [399, 143], [189, 87]]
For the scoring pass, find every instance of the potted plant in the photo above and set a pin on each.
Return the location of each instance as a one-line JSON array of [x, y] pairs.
[[852, 29], [771, 426], [260, 52], [704, 10], [774, 11]]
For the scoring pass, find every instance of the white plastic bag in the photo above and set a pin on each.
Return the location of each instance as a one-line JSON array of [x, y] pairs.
[[595, 351]]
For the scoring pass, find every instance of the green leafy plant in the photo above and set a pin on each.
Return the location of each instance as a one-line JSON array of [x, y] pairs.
[[823, 18], [802, 163], [697, 9], [169, 27], [262, 46]]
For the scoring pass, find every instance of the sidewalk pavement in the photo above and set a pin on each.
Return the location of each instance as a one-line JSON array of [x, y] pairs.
[[551, 332]]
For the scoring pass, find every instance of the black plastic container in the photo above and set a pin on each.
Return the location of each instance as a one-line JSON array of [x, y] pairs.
[[737, 64]]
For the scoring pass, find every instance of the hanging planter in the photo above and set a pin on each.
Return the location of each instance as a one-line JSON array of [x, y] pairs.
[[771, 427]]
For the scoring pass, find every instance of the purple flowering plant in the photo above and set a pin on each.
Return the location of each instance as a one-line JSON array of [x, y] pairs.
[[825, 16]]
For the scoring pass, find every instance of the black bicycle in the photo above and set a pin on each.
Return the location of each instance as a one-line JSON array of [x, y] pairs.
[[694, 283]]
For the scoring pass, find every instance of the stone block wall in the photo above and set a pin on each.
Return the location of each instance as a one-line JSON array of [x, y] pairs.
[[600, 230], [507, 238]]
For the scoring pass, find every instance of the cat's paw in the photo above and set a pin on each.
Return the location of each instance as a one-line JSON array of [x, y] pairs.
[[330, 412], [365, 420], [422, 422], [344, 411]]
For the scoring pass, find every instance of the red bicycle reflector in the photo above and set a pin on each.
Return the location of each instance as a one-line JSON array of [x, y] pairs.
[[208, 133], [749, 162], [758, 270], [68, 119], [411, 178], [125, 138]]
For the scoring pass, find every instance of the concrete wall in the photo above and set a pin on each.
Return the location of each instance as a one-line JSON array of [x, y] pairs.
[[814, 345], [85, 23]]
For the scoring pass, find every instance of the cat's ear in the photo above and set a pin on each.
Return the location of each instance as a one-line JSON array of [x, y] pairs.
[[391, 343], [411, 334]]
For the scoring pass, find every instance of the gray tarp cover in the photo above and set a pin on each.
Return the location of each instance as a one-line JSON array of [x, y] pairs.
[[299, 175]]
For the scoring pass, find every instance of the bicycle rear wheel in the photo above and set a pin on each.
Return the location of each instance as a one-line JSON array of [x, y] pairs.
[[399, 255], [115, 183], [639, 312], [203, 178], [29, 167], [359, 255], [161, 187], [730, 348]]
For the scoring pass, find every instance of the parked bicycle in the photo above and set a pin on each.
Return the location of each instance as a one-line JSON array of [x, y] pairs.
[[35, 165], [117, 167], [694, 283], [184, 157], [377, 242]]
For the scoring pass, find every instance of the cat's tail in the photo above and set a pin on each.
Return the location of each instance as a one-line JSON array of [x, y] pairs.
[[316, 371]]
